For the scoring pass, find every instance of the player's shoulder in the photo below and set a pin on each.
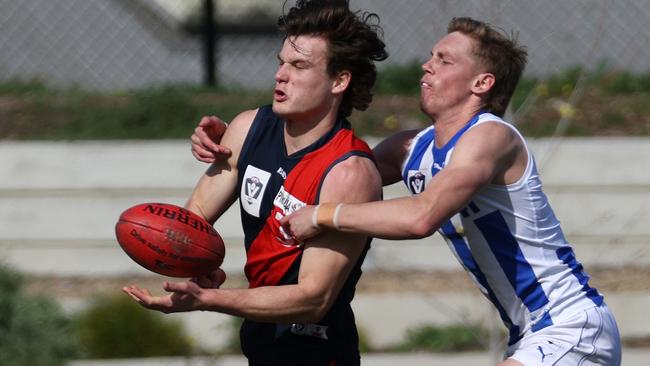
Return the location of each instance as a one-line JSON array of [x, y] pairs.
[[354, 173], [244, 118], [493, 125], [491, 131], [491, 139], [240, 125]]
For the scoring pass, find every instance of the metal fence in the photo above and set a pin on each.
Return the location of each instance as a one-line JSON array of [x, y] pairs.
[[124, 44]]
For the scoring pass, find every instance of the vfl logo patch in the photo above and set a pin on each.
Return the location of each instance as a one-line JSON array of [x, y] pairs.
[[416, 181], [252, 188]]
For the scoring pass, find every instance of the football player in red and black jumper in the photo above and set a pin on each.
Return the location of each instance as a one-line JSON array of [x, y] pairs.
[[298, 151]]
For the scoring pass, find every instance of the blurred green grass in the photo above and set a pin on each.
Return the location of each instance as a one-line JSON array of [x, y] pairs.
[[610, 103]]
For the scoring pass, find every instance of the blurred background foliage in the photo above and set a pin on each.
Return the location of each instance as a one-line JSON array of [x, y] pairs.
[[36, 331], [33, 330], [117, 327], [455, 338], [608, 103]]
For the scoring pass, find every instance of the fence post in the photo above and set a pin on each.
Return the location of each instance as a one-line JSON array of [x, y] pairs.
[[209, 43]]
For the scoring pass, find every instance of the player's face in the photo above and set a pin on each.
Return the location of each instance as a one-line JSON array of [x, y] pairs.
[[448, 75], [303, 89]]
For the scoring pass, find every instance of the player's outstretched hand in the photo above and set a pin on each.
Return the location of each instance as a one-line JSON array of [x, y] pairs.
[[205, 140], [299, 225], [184, 296]]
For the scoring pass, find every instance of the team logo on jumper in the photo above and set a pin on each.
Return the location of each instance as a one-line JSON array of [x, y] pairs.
[[282, 173], [252, 188], [416, 181]]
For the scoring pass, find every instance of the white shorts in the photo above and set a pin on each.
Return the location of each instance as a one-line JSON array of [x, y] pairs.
[[590, 337]]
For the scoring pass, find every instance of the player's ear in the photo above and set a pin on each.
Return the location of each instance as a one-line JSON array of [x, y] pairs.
[[483, 83], [341, 82]]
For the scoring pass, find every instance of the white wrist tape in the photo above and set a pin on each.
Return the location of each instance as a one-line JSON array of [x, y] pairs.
[[314, 218], [335, 219]]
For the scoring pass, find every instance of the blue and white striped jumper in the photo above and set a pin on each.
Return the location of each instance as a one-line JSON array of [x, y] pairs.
[[509, 241]]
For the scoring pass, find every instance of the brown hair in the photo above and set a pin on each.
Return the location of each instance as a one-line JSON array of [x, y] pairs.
[[353, 43], [499, 54]]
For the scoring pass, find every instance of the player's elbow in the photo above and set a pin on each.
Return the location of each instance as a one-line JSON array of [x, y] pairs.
[[318, 310], [316, 306], [315, 314], [420, 221], [421, 227]]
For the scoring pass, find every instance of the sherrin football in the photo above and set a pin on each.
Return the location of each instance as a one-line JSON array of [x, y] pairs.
[[169, 240]]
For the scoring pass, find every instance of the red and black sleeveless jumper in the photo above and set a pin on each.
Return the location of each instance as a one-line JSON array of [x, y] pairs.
[[273, 184]]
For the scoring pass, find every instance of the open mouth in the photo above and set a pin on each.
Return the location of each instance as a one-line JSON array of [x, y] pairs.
[[279, 95]]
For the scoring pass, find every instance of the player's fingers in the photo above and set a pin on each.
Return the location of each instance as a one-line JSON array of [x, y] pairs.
[[203, 281], [290, 230], [208, 121], [202, 159], [127, 290], [202, 155], [182, 287], [215, 129], [217, 277], [214, 124], [201, 138], [196, 136], [210, 138], [139, 295], [284, 221], [205, 143], [222, 150]]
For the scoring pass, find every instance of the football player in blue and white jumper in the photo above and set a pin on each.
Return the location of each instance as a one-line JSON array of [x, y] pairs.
[[474, 180]]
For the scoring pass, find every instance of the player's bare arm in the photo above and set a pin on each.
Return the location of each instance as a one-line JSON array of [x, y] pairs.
[[483, 156], [325, 265], [390, 154], [213, 195], [490, 153], [215, 191]]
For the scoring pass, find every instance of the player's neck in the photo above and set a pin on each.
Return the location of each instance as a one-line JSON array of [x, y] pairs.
[[302, 132], [449, 123]]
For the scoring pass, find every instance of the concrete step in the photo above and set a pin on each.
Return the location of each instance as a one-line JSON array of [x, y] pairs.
[[104, 257], [386, 318], [92, 214], [169, 164], [76, 191]]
